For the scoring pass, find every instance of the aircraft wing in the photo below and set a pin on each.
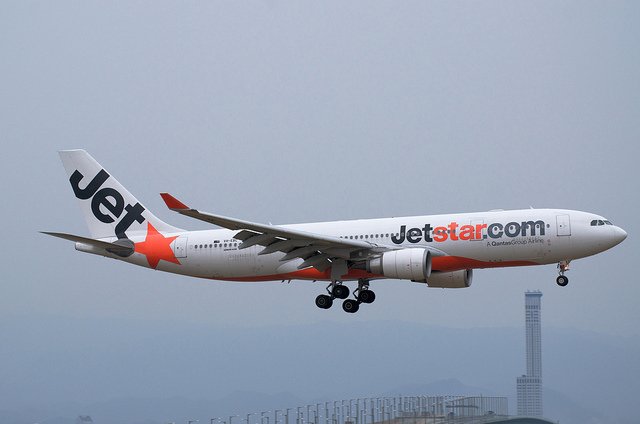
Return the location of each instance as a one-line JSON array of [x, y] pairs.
[[317, 250]]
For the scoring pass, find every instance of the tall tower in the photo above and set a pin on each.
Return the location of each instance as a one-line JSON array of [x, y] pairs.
[[529, 386]]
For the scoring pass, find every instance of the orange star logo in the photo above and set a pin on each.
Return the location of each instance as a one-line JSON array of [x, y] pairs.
[[157, 247]]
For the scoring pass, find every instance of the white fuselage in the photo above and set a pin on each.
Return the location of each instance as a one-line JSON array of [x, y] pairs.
[[457, 242]]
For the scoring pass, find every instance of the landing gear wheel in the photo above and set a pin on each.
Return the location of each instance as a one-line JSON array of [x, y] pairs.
[[324, 302], [563, 266], [341, 292], [366, 296], [562, 280], [350, 305]]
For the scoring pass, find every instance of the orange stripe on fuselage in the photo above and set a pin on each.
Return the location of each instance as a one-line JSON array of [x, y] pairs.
[[446, 264], [456, 263], [441, 264], [475, 264], [305, 274]]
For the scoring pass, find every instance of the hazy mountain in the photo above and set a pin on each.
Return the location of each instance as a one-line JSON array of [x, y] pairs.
[[143, 372]]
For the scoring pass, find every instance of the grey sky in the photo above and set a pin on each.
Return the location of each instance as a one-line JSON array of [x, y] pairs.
[[290, 112]]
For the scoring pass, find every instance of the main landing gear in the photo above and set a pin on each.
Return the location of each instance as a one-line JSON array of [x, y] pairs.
[[337, 290], [562, 267]]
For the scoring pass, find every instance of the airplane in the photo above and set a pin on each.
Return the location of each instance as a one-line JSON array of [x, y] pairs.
[[437, 250]]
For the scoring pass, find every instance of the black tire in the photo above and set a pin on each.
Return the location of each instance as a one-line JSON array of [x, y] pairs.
[[351, 306], [562, 280], [340, 291], [324, 302], [366, 296]]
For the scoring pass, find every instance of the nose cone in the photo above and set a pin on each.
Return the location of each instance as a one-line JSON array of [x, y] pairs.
[[608, 236], [619, 235]]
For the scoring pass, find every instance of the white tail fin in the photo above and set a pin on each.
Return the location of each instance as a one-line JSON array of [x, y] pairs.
[[109, 209]]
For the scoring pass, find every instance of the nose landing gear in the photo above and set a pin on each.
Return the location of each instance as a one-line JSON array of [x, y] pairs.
[[562, 267]]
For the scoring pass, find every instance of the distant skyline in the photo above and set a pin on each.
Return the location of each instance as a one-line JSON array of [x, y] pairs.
[[529, 386], [88, 366]]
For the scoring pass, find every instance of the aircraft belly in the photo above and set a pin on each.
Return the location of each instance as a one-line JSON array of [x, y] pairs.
[[242, 263], [234, 264]]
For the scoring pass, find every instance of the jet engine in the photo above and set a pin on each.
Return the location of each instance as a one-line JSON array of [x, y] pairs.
[[407, 264], [451, 280]]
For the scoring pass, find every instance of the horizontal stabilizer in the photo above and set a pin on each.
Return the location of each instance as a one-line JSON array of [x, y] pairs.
[[112, 247]]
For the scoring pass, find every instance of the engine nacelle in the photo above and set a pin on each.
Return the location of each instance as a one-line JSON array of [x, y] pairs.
[[451, 280], [407, 264]]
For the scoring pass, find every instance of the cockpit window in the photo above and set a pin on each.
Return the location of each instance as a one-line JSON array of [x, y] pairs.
[[598, 222]]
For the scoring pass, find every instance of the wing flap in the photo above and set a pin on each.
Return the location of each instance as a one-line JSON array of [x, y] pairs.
[[283, 246], [256, 238], [316, 260], [299, 252]]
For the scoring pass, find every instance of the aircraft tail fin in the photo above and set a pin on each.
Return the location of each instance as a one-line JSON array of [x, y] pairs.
[[109, 209]]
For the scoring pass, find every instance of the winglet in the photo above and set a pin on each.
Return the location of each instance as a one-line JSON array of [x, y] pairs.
[[173, 203]]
